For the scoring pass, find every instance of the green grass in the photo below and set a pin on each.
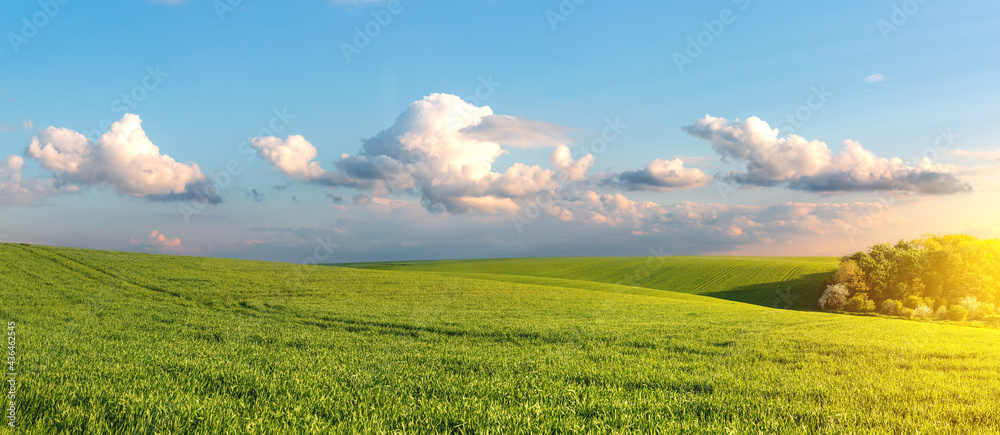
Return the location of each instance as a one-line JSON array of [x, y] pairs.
[[786, 282], [133, 343]]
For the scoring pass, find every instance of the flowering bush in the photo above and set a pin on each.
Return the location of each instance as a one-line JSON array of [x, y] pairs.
[[923, 312], [834, 297]]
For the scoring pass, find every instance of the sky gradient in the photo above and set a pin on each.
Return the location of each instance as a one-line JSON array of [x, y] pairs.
[[318, 131]]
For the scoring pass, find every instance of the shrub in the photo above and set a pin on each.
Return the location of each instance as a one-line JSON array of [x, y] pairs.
[[860, 304], [892, 308], [834, 297], [971, 305], [942, 312], [913, 302], [922, 312], [987, 310], [906, 312], [958, 313], [992, 320]]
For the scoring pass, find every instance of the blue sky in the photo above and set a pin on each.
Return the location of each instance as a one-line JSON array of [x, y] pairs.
[[211, 77]]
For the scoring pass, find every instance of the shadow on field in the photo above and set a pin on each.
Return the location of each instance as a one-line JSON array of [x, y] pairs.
[[801, 293]]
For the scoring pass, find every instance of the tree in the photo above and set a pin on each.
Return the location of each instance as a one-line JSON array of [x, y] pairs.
[[851, 276]]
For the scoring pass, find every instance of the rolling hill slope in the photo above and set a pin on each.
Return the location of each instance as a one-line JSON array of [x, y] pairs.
[[786, 282], [122, 343]]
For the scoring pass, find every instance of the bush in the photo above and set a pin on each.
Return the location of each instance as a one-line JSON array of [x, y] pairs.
[[892, 308], [992, 320], [987, 310], [860, 304], [971, 305], [942, 312], [922, 312], [834, 297], [913, 302], [906, 312], [958, 313]]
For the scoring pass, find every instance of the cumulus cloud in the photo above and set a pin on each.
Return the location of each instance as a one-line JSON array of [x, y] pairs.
[[660, 175], [293, 156], [123, 159], [569, 169], [810, 165], [441, 149], [17, 190]]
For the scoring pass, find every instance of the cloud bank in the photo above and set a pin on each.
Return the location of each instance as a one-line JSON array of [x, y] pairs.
[[442, 150], [810, 165]]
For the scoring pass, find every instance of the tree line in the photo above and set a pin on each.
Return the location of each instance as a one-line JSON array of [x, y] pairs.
[[953, 277]]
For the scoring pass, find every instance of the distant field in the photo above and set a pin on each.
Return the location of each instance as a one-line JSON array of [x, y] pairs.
[[786, 282], [132, 343]]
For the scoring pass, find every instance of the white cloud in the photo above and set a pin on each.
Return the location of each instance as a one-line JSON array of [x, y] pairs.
[[810, 165], [661, 175], [570, 170], [875, 78], [123, 159], [441, 149], [293, 156]]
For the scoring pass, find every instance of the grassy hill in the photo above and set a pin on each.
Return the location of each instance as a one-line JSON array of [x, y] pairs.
[[786, 282], [112, 342]]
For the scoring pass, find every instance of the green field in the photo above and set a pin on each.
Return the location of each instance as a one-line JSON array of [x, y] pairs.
[[111, 342], [786, 282]]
